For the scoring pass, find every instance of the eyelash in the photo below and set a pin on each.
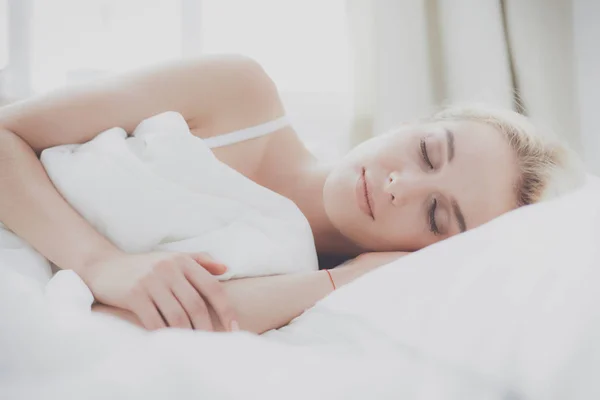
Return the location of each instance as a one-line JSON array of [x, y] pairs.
[[425, 155], [432, 225]]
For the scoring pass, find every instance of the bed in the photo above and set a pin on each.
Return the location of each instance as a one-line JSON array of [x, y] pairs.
[[509, 310]]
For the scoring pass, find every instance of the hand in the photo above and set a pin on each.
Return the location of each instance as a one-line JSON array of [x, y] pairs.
[[161, 289], [362, 264]]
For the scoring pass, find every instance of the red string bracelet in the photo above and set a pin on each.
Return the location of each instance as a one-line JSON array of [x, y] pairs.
[[331, 279]]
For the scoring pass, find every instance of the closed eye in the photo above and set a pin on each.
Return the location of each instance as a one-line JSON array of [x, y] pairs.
[[432, 223], [425, 154]]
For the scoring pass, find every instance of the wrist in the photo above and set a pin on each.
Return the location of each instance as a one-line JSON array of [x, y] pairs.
[[343, 275], [331, 280], [95, 259]]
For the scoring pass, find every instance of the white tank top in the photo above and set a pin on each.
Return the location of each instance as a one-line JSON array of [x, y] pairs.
[[247, 133]]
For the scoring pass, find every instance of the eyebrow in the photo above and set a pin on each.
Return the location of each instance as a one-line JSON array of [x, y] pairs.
[[460, 218], [450, 140]]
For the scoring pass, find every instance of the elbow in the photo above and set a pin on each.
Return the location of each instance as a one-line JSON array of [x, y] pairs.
[[249, 76], [8, 141], [11, 146], [256, 81], [243, 64]]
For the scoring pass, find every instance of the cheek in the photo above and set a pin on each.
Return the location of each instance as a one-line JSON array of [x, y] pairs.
[[336, 191], [401, 231], [339, 199], [382, 155]]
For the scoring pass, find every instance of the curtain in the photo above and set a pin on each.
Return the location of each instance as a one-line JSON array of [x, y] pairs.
[[586, 15], [412, 57]]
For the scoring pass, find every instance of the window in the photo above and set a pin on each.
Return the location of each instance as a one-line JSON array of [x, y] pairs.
[[76, 41], [3, 34], [302, 44]]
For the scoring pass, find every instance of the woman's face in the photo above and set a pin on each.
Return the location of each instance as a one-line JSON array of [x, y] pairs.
[[421, 184]]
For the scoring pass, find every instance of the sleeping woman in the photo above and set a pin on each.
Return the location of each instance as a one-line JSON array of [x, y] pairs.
[[396, 193]]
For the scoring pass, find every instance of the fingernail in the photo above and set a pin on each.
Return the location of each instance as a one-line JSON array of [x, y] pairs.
[[222, 269], [235, 326]]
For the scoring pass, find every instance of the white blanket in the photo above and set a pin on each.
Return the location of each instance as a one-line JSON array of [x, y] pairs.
[[163, 189]]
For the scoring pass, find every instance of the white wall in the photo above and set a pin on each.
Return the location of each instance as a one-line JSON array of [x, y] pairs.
[[586, 22]]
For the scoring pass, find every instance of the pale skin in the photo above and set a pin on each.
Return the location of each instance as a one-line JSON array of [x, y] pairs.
[[414, 188], [271, 302]]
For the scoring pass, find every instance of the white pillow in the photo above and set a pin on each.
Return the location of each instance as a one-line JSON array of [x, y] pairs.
[[514, 304]]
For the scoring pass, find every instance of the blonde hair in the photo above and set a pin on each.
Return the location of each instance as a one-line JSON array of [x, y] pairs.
[[547, 167]]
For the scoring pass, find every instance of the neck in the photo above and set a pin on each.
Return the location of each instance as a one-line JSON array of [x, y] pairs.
[[305, 188]]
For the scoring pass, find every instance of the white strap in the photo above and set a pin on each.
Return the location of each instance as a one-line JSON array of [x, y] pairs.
[[247, 133]]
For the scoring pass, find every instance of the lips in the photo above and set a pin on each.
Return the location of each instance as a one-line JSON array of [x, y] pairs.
[[363, 195]]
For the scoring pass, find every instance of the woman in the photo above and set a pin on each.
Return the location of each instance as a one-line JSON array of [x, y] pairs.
[[397, 192]]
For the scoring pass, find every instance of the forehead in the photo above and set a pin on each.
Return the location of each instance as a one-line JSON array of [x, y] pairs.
[[483, 172]]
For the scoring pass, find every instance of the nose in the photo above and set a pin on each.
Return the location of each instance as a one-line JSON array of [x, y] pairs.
[[406, 187]]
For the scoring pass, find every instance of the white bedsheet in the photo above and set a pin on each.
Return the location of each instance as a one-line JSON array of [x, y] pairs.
[[60, 352], [510, 310]]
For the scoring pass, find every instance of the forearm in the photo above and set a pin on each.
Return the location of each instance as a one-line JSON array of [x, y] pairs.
[[270, 302], [32, 208]]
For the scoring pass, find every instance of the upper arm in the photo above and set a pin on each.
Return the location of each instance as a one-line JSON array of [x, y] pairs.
[[213, 94]]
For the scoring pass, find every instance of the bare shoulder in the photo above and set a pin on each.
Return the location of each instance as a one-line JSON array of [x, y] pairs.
[[242, 94], [247, 97]]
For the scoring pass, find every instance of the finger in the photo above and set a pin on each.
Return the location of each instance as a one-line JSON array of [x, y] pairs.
[[212, 290], [193, 303], [168, 305], [209, 263], [145, 309]]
